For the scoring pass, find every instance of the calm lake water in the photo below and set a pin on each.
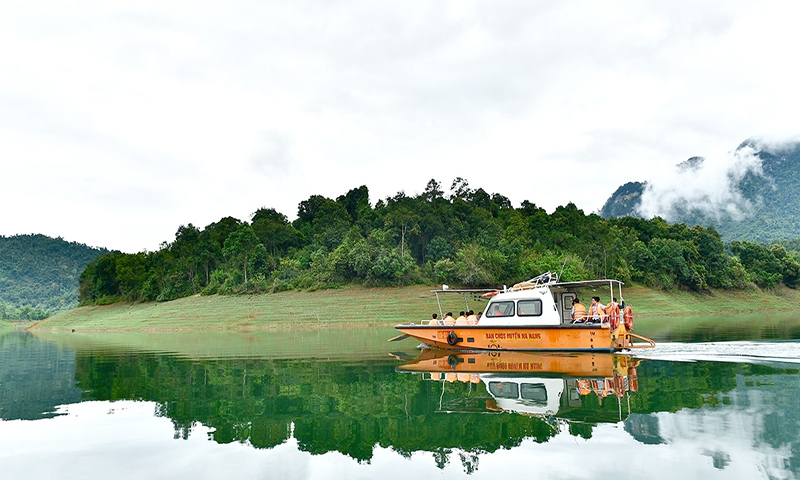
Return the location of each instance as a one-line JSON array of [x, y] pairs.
[[718, 398]]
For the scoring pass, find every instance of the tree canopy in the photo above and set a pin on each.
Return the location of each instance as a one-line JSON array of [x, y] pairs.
[[465, 237]]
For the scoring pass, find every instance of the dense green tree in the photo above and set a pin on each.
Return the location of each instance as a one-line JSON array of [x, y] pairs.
[[185, 250], [765, 268], [274, 231], [241, 245], [356, 202], [791, 268], [402, 216]]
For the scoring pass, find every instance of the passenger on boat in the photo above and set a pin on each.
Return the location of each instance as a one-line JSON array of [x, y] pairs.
[[597, 311], [472, 319], [462, 318], [578, 311], [448, 319]]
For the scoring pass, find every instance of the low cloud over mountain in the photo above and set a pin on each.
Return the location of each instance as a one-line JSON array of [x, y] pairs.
[[751, 193]]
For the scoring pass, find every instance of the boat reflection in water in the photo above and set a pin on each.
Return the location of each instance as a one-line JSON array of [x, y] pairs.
[[545, 385]]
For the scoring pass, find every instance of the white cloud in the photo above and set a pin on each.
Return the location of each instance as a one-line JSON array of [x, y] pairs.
[[119, 122], [708, 185]]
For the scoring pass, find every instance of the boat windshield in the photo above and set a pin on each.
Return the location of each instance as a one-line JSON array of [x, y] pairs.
[[501, 309], [529, 308]]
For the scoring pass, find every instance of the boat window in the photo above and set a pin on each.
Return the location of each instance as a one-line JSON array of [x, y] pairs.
[[504, 389], [529, 308], [500, 309], [535, 392]]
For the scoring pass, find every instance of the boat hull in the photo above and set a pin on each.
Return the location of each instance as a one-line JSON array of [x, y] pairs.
[[566, 338]]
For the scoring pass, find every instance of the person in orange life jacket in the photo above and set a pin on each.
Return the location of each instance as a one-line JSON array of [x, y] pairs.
[[597, 310], [471, 318], [578, 311]]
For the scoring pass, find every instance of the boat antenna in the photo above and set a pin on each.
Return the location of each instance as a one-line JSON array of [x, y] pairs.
[[562, 268]]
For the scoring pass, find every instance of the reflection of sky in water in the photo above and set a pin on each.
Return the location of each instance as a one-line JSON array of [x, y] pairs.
[[124, 439]]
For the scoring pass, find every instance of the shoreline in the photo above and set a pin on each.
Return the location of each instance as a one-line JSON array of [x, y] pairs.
[[360, 307]]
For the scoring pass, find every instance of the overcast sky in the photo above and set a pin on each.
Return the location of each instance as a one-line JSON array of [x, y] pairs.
[[121, 121]]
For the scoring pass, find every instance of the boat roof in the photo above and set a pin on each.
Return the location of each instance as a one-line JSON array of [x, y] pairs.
[[579, 284], [588, 283], [466, 291]]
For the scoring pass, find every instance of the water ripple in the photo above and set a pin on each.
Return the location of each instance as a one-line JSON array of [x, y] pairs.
[[758, 352]]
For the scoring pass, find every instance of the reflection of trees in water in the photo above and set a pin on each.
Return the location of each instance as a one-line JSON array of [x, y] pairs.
[[331, 406], [351, 407], [644, 429]]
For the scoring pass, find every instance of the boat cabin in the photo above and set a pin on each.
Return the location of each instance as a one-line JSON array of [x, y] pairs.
[[545, 303]]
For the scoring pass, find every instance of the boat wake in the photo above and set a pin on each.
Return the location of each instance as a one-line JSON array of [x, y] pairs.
[[756, 352]]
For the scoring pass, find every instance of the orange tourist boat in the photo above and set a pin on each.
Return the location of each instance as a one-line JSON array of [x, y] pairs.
[[535, 315]]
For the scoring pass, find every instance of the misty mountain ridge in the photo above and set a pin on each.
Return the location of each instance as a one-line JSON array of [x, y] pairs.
[[751, 194]]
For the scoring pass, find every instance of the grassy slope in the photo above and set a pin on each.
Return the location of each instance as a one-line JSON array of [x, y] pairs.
[[346, 306], [657, 302], [365, 306]]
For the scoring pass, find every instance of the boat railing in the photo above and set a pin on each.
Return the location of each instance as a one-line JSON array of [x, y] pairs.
[[542, 280], [602, 317], [444, 323]]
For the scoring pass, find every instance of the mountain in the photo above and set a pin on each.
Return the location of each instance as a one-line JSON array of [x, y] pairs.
[[761, 203], [39, 274]]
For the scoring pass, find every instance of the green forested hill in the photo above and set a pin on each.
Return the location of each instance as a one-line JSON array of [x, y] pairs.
[[39, 274], [470, 237], [774, 197]]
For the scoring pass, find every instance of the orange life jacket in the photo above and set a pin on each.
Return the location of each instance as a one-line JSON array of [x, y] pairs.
[[580, 311]]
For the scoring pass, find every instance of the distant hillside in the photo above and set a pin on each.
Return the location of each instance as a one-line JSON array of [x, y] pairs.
[[773, 198], [625, 200], [39, 274]]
